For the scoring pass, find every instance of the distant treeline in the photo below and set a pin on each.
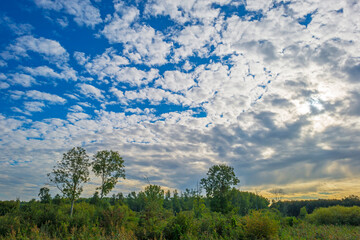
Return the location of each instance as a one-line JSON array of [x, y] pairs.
[[292, 208], [223, 213]]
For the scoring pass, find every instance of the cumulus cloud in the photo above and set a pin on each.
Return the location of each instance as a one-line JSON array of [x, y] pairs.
[[45, 71], [16, 28], [142, 43], [34, 106], [22, 79], [83, 11], [185, 11], [90, 91], [110, 65], [52, 98], [176, 81], [51, 50], [276, 99]]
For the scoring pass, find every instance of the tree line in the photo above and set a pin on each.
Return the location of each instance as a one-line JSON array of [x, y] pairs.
[[224, 212], [72, 172]]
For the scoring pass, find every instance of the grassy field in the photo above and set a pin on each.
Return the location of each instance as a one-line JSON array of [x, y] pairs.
[[309, 231]]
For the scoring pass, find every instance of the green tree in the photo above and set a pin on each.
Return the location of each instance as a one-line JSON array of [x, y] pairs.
[[152, 218], [110, 167], [44, 195], [71, 173], [303, 212], [218, 183]]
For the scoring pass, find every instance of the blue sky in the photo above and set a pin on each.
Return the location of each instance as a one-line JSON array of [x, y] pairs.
[[268, 87]]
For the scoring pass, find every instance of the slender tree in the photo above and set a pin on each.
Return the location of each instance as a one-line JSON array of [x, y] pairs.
[[71, 173], [110, 167], [44, 195], [218, 184]]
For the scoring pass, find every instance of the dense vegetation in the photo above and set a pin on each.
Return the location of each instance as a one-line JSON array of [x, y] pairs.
[[223, 213]]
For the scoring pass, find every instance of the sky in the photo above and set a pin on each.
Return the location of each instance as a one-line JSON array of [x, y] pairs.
[[270, 88]]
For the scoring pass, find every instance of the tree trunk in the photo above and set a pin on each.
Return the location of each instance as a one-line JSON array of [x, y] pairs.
[[72, 208]]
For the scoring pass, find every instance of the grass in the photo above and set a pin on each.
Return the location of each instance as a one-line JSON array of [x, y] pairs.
[[310, 231]]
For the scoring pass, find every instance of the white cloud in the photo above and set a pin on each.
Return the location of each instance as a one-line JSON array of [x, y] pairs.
[[76, 116], [176, 81], [90, 91], [76, 108], [3, 63], [155, 96], [51, 50], [196, 39], [83, 11], [142, 44], [45, 71], [34, 106], [63, 22], [274, 89], [119, 95], [52, 98], [81, 58], [136, 77], [187, 10], [16, 28], [4, 85], [109, 65], [22, 79]]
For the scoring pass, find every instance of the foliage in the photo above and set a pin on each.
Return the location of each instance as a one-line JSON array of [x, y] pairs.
[[217, 184], [303, 212], [71, 173], [152, 217], [292, 208], [337, 215], [9, 207], [305, 230], [44, 195], [180, 227], [225, 213], [243, 202], [110, 167], [260, 225]]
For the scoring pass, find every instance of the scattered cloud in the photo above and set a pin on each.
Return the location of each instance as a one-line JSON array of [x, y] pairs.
[[90, 91], [34, 106], [142, 44], [176, 87], [52, 98], [51, 50], [83, 11]]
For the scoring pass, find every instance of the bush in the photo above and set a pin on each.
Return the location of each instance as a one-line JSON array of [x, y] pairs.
[[116, 217], [289, 221], [9, 224], [260, 225], [337, 215], [180, 226], [8, 207]]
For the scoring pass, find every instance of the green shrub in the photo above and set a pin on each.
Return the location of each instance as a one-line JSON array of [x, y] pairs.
[[83, 215], [8, 207], [116, 217], [289, 221], [180, 226], [337, 215], [8, 224], [303, 212], [260, 225]]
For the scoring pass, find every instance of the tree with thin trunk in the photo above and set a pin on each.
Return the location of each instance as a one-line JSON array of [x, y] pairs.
[[44, 195], [71, 173], [110, 167], [218, 184]]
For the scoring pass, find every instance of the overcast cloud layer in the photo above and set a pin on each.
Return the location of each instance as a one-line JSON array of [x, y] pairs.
[[268, 87]]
